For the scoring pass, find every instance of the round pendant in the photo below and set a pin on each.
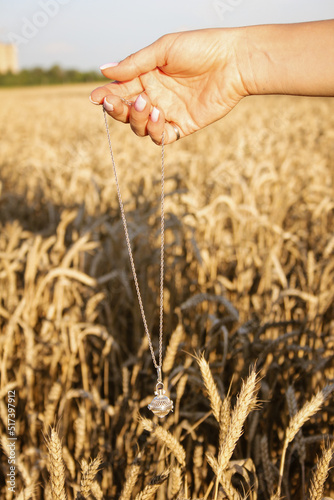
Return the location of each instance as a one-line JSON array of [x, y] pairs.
[[161, 405]]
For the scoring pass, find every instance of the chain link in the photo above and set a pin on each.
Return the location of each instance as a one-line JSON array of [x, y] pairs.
[[162, 249]]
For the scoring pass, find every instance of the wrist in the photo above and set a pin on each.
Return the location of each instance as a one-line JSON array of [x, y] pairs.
[[258, 61], [250, 59], [294, 59]]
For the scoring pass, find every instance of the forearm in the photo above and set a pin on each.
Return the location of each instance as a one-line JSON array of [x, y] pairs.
[[296, 59]]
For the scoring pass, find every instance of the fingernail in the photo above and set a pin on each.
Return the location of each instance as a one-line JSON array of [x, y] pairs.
[[155, 115], [140, 103], [94, 102], [108, 65], [107, 105]]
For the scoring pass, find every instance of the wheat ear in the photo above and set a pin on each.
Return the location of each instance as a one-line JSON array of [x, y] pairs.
[[80, 432], [69, 461], [211, 387], [300, 442], [89, 472], [167, 438], [298, 420], [27, 493], [224, 419], [320, 474], [266, 463], [223, 479], [246, 402], [57, 468], [152, 488], [176, 481], [130, 482], [293, 410], [96, 490], [275, 496], [172, 348], [53, 399]]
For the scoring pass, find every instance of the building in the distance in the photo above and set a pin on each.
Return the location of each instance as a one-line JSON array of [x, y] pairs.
[[8, 58]]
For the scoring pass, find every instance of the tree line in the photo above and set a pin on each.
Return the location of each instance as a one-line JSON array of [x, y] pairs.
[[53, 75]]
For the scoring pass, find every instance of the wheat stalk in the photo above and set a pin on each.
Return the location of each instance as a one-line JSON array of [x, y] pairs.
[[297, 421], [234, 227], [222, 478]]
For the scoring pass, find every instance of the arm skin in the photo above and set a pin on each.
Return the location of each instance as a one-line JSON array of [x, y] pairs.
[[195, 78], [294, 59]]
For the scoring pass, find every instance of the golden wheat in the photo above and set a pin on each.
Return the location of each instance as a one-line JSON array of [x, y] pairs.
[[246, 402], [211, 387], [267, 465], [249, 281], [151, 489], [167, 438], [298, 420], [89, 472], [56, 464], [130, 482], [321, 473]]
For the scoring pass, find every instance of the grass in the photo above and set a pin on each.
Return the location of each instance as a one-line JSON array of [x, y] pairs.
[[249, 303]]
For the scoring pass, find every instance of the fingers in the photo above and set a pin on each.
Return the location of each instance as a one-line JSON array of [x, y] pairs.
[[97, 95], [116, 108], [144, 118], [172, 133], [128, 90], [139, 115], [156, 125]]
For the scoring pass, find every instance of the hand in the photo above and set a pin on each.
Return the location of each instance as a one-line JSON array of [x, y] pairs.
[[189, 79], [194, 78]]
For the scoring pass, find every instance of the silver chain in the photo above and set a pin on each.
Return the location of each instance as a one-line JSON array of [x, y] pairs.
[[162, 249]]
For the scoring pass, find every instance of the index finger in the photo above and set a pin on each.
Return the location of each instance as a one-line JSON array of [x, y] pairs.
[[127, 90]]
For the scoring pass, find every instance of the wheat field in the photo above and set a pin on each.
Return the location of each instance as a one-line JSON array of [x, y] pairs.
[[249, 303]]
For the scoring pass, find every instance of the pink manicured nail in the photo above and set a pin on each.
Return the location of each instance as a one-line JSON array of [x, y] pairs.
[[140, 103], [107, 105], [94, 102], [108, 65], [155, 115]]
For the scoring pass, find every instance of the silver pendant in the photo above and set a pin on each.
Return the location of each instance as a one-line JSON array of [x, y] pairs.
[[161, 405]]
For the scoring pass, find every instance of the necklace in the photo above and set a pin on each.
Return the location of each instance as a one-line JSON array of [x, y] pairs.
[[160, 405]]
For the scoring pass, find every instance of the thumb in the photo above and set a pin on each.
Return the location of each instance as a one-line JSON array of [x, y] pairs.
[[136, 64]]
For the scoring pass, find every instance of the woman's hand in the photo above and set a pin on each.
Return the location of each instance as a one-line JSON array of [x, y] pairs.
[[189, 79], [193, 78]]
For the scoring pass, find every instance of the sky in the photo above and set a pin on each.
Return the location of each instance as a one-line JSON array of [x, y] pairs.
[[84, 34]]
